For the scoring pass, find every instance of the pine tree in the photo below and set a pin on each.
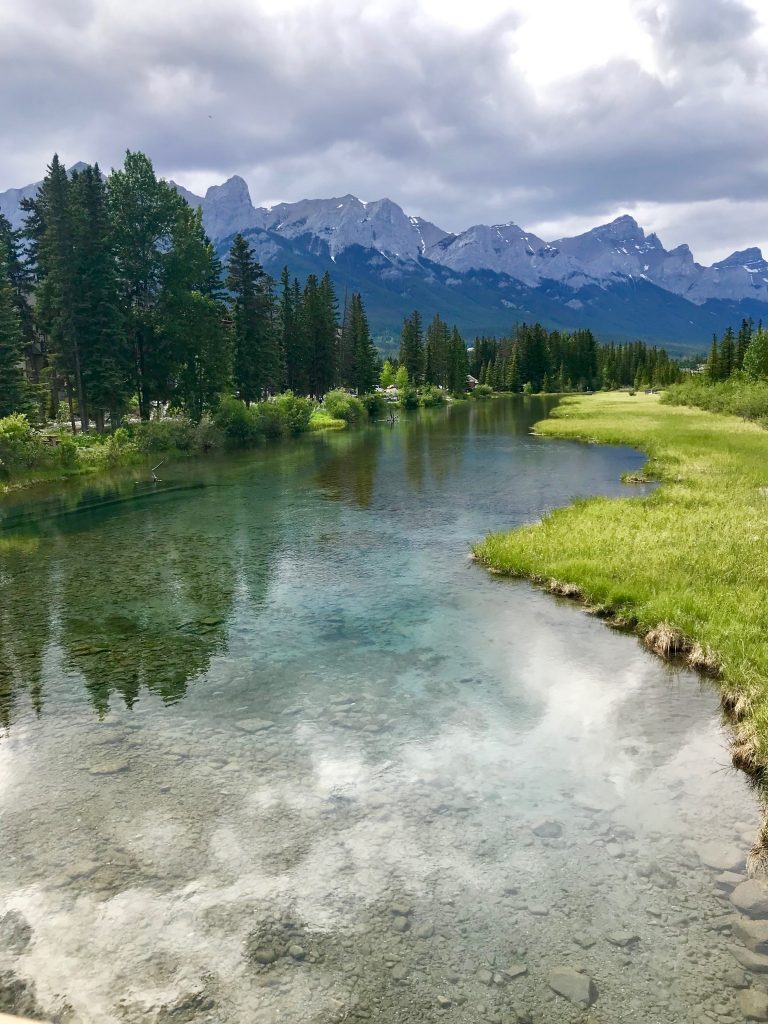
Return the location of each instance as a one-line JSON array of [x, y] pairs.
[[104, 353], [742, 342], [458, 364], [727, 354], [257, 369], [713, 362], [51, 228], [436, 353], [20, 278], [364, 356], [412, 348], [12, 381]]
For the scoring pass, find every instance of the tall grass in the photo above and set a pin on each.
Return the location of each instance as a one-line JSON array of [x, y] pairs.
[[738, 396], [687, 566]]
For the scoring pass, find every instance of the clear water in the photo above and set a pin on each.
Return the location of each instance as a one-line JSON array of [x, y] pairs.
[[268, 710]]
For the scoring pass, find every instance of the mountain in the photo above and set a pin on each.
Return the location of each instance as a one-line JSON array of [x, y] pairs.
[[615, 278]]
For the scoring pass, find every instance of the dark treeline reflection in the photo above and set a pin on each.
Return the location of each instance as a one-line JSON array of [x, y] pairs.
[[129, 587], [126, 587]]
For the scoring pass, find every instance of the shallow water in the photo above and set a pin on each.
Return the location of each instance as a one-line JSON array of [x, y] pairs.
[[273, 749]]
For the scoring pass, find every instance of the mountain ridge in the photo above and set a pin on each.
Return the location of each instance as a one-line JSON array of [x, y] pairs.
[[402, 255]]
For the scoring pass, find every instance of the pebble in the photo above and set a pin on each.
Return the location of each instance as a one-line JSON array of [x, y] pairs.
[[424, 931], [444, 1002], [484, 976], [515, 971], [622, 939], [252, 725], [108, 768], [400, 924], [399, 972]]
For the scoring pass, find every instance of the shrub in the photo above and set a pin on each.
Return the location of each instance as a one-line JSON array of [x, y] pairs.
[[20, 446], [375, 405], [208, 436], [118, 445], [295, 411], [409, 398], [432, 396], [238, 423], [342, 406], [485, 391], [162, 435], [269, 419], [67, 451]]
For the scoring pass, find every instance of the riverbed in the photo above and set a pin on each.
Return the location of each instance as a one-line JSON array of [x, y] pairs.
[[274, 749]]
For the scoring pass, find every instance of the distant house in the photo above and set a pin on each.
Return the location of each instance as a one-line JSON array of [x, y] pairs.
[[472, 382]]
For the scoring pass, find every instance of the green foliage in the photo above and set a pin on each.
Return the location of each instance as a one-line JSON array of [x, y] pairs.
[[412, 348], [402, 378], [387, 375], [740, 395], [163, 435], [295, 411], [342, 406], [20, 446], [432, 396], [375, 404], [409, 398], [485, 391], [67, 451], [756, 356], [237, 422]]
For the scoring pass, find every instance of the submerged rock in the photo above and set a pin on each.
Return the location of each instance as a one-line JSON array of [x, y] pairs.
[[753, 1004], [15, 932], [252, 725], [622, 939], [754, 934], [721, 856], [728, 880], [548, 830], [751, 898], [755, 962], [577, 988]]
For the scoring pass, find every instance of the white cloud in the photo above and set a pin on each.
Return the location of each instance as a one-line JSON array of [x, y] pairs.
[[545, 112]]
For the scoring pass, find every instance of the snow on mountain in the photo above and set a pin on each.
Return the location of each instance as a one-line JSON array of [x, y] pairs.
[[609, 254]]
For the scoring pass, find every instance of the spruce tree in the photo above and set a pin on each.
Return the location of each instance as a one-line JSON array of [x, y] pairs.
[[727, 354], [412, 348], [458, 364], [365, 358], [257, 369], [436, 352], [713, 362], [742, 342], [12, 381]]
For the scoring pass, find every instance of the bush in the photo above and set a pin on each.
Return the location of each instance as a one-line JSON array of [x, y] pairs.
[[432, 396], [238, 423], [208, 436], [118, 445], [20, 446], [67, 451], [162, 435], [484, 391], [342, 406], [409, 398], [737, 396], [295, 411], [375, 405], [269, 420]]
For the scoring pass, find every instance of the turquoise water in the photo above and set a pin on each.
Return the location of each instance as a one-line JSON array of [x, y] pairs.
[[274, 749]]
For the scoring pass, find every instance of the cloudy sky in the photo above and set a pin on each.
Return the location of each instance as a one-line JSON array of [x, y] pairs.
[[557, 114]]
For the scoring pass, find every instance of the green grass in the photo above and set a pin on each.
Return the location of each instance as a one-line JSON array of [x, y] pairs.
[[691, 558], [322, 420]]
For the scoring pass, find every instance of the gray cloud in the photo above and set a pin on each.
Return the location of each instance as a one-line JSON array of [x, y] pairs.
[[345, 97]]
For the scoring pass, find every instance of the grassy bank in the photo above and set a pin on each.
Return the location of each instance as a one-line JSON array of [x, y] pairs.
[[687, 566]]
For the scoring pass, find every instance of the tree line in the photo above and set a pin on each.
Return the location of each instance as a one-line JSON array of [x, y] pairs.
[[112, 294], [744, 351], [530, 358]]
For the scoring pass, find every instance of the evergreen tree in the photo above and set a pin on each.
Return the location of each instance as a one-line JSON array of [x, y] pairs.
[[192, 340], [436, 353], [257, 369], [52, 231], [727, 354], [20, 278], [98, 325], [713, 362], [364, 363], [742, 342], [12, 381], [143, 214], [458, 364], [412, 348]]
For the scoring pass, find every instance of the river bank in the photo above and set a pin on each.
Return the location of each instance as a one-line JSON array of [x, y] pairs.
[[686, 567]]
